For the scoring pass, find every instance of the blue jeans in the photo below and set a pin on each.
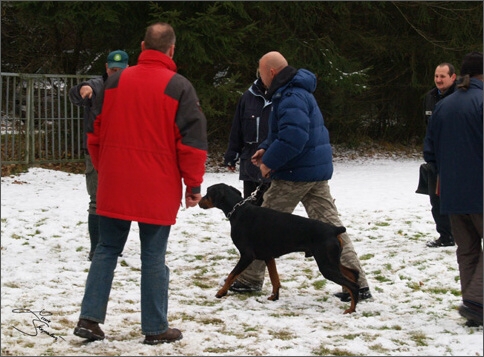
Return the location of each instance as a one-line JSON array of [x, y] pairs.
[[154, 273]]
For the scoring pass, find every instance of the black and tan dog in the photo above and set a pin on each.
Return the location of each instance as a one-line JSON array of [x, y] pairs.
[[265, 234]]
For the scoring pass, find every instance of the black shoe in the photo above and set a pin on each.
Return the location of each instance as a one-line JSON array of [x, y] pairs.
[[364, 294], [170, 335], [238, 287], [471, 314], [472, 323], [89, 330], [441, 243]]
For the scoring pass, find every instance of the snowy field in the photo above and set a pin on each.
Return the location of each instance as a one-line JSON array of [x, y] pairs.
[[416, 291]]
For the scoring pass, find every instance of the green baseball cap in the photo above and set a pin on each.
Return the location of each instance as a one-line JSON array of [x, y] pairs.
[[118, 59]]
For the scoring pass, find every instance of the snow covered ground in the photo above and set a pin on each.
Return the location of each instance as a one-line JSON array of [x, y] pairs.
[[416, 291]]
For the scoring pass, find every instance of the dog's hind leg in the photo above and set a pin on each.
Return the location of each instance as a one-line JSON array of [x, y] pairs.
[[274, 275], [337, 277], [328, 260]]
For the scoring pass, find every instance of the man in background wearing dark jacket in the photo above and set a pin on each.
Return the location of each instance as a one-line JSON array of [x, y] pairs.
[[445, 83], [84, 94], [454, 143]]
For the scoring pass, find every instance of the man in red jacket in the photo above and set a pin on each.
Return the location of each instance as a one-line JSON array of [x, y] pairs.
[[149, 137]]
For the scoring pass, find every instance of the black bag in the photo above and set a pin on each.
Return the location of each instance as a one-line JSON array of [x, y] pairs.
[[427, 180]]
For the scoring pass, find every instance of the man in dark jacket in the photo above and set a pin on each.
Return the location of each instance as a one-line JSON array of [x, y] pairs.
[[249, 129], [297, 154], [454, 141], [445, 83], [84, 94]]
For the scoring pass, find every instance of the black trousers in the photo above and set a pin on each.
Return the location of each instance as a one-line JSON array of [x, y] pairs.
[[428, 185]]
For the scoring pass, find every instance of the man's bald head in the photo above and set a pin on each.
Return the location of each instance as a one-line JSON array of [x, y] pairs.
[[269, 65]]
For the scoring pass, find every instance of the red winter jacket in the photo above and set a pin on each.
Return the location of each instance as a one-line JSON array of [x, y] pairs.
[[149, 135]]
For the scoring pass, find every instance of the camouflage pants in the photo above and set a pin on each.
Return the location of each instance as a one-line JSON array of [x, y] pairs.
[[316, 198]]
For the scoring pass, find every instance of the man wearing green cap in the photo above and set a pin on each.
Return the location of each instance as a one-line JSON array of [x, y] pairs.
[[84, 94]]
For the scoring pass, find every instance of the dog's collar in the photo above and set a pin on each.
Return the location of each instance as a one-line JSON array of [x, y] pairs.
[[240, 203]]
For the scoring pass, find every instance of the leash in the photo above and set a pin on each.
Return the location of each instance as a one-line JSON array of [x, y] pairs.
[[249, 198]]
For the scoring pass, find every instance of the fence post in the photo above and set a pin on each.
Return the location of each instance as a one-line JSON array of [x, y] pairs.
[[30, 145]]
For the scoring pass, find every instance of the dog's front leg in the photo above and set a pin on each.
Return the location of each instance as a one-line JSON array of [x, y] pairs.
[[228, 283], [242, 264], [274, 275]]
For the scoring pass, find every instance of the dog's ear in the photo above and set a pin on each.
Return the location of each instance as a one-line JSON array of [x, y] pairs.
[[235, 190], [339, 230]]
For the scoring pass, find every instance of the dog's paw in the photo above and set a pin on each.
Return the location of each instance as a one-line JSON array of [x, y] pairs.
[[221, 293], [273, 297]]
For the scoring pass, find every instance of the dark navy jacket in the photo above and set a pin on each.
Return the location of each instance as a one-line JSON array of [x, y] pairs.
[[431, 99], [454, 142], [298, 147], [249, 128]]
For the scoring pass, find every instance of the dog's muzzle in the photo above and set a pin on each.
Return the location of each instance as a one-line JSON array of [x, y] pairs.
[[205, 203]]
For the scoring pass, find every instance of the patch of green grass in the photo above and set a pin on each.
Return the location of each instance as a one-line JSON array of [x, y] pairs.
[[370, 313], [41, 222], [394, 327], [382, 279], [380, 349], [218, 350], [350, 336], [319, 284], [419, 338], [367, 256], [202, 285], [401, 342], [282, 334], [382, 224], [12, 285], [324, 351], [414, 285], [211, 321], [377, 288], [79, 249]]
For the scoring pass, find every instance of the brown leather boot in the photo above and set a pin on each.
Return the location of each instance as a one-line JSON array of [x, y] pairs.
[[170, 335], [89, 329]]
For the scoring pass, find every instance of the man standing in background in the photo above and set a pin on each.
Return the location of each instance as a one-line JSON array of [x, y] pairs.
[[444, 80], [84, 94], [249, 129], [454, 141]]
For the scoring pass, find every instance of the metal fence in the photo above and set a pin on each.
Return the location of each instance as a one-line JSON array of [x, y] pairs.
[[38, 122]]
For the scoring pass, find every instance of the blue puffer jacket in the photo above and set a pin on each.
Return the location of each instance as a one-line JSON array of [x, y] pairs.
[[297, 147]]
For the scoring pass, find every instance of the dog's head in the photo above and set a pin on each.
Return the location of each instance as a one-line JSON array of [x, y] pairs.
[[217, 194]]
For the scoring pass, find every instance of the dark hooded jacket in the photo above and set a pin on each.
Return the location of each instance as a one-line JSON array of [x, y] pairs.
[[249, 129]]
